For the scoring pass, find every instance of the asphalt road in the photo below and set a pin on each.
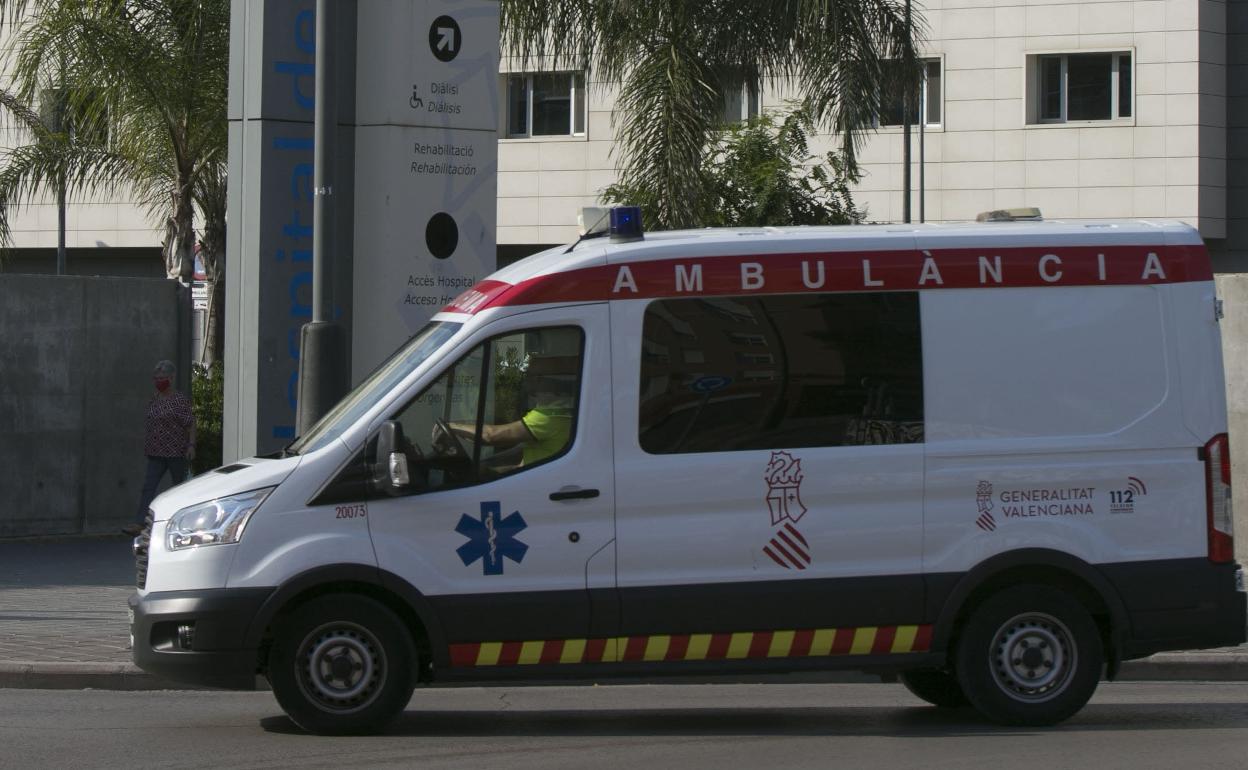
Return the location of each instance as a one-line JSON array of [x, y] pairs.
[[1129, 725]]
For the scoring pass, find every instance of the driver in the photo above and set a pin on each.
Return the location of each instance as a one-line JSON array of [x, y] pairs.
[[544, 430]]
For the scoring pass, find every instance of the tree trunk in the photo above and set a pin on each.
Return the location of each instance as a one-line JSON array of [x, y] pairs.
[[179, 244], [214, 329], [179, 253], [212, 252]]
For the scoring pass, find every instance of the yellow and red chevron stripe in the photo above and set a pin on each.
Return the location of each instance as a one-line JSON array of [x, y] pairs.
[[808, 643]]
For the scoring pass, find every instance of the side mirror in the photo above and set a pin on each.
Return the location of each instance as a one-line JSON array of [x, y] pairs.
[[398, 470], [390, 474]]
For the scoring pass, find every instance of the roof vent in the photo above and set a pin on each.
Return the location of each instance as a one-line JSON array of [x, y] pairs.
[[593, 221], [1027, 214]]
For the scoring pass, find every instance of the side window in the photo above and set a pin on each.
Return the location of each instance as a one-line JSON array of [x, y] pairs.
[[508, 405], [438, 457], [724, 374]]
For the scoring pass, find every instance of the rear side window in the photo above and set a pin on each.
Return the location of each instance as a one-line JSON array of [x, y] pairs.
[[1021, 363], [724, 374]]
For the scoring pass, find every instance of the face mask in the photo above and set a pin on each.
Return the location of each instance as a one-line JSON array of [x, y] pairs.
[[162, 385]]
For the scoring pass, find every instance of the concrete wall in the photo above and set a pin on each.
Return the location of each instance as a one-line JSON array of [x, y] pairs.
[[76, 356], [1233, 290]]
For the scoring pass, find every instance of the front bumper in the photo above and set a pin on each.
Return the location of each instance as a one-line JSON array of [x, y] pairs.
[[197, 637]]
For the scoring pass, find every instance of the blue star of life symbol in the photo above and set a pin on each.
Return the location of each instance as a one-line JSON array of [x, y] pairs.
[[492, 538]]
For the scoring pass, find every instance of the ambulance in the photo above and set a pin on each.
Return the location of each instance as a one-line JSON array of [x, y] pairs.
[[990, 459]]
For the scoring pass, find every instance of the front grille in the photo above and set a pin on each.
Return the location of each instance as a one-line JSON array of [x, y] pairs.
[[141, 545]]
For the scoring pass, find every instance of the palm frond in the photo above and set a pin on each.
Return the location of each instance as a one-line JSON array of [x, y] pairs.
[[669, 111], [672, 58], [853, 53], [145, 82]]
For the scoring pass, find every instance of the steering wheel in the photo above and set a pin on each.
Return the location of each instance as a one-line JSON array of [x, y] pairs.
[[446, 440]]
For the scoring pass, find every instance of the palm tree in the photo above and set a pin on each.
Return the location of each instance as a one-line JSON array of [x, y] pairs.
[[673, 60], [145, 84], [50, 147]]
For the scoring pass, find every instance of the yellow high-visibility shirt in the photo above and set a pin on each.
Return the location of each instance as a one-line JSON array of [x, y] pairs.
[[551, 429]]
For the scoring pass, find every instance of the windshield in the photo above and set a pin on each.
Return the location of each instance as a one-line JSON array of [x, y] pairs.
[[390, 373]]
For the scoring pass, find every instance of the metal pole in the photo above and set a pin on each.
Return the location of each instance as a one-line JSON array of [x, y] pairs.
[[905, 126], [922, 178], [322, 349], [58, 126], [60, 225], [186, 312], [325, 126]]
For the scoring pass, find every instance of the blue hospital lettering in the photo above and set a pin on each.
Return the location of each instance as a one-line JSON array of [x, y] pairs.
[[298, 70], [296, 228], [305, 31], [303, 171], [298, 308]]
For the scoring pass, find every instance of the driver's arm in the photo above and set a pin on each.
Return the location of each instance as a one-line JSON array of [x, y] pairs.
[[507, 434]]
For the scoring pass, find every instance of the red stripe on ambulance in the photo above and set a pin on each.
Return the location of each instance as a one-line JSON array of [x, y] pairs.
[[898, 270]]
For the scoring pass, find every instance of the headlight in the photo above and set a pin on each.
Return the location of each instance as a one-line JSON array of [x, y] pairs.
[[214, 522]]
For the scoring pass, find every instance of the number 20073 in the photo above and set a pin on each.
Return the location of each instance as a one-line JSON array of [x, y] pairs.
[[350, 512]]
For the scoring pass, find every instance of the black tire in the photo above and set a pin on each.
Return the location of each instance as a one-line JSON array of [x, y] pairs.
[[342, 664], [1029, 655], [937, 687]]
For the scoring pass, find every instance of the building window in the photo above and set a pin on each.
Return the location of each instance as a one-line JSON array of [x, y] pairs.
[[803, 370], [740, 99], [547, 104], [930, 99], [1083, 86]]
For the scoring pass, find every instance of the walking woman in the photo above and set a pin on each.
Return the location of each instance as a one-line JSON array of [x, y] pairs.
[[168, 438]]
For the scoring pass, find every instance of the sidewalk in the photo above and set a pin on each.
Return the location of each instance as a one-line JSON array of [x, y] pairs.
[[63, 623]]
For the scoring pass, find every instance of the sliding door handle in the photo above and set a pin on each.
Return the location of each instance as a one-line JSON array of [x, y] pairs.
[[572, 493]]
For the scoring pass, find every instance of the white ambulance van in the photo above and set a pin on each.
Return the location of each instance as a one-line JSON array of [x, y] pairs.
[[990, 458]]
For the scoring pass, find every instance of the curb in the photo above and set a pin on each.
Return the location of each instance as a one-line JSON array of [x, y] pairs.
[[1190, 666], [1163, 667], [82, 676]]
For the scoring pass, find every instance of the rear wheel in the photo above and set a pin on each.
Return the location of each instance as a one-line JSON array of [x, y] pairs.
[[342, 664], [1029, 655], [939, 688]]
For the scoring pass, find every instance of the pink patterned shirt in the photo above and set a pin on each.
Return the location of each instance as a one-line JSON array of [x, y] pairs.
[[167, 429]]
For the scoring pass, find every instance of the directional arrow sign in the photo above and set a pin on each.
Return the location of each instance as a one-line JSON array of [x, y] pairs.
[[444, 38]]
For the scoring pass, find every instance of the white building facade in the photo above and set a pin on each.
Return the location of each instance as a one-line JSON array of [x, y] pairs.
[[1093, 109], [1113, 108]]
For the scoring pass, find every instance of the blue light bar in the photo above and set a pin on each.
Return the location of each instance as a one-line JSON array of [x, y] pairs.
[[626, 223]]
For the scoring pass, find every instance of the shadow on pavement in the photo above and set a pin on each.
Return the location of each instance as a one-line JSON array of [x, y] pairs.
[[892, 722]]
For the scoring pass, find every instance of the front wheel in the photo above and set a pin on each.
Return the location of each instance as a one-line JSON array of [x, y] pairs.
[[342, 664], [1029, 655]]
